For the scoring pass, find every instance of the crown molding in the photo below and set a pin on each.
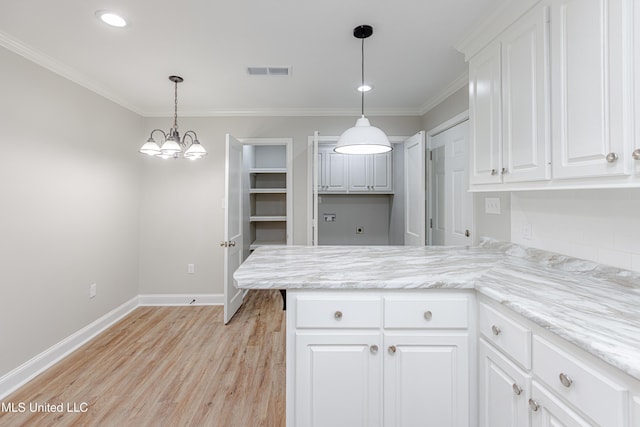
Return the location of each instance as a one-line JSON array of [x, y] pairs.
[[290, 112], [449, 90], [62, 70]]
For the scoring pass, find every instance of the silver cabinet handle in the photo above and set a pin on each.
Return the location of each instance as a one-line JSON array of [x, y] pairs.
[[565, 380], [224, 244], [496, 331], [636, 154], [504, 171], [337, 315], [494, 172], [428, 315], [612, 157], [373, 349], [232, 243], [392, 349], [533, 405], [516, 389]]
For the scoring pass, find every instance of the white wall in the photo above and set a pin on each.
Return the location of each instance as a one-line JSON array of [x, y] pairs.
[[183, 226], [597, 225], [69, 191]]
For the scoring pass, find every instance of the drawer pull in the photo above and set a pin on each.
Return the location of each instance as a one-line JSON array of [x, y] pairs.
[[565, 380], [496, 331], [533, 405], [428, 315], [337, 315], [636, 154], [494, 172], [373, 349], [392, 349], [612, 157], [516, 389]]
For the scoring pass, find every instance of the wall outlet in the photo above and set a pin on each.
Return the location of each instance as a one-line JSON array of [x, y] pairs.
[[191, 268], [93, 290], [492, 205], [359, 229], [527, 232]]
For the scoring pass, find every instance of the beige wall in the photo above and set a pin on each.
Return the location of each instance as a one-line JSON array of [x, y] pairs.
[[69, 186], [181, 202]]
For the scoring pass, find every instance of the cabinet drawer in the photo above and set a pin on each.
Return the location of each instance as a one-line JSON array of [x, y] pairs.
[[319, 312], [584, 386], [506, 334], [426, 313]]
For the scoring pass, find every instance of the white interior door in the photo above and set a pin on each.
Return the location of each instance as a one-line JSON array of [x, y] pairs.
[[414, 184], [452, 203], [314, 186], [233, 240]]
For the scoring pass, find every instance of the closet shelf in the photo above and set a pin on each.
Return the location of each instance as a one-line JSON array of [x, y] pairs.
[[268, 170], [268, 190], [270, 218], [258, 243]]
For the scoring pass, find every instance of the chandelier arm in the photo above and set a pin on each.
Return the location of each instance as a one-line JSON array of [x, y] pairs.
[[164, 135]]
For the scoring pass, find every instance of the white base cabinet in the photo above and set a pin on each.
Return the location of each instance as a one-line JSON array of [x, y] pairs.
[[379, 358]]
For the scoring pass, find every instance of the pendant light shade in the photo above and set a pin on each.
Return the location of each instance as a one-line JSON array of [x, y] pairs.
[[363, 138]]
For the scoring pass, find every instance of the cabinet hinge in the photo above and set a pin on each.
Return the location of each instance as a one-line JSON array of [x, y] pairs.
[[430, 222], [430, 155]]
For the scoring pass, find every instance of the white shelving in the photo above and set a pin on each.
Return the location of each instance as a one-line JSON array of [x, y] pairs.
[[268, 201]]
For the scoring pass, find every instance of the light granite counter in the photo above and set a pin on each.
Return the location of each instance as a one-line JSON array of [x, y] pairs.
[[592, 306]]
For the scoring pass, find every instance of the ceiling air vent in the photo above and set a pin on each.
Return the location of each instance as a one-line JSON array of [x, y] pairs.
[[269, 71]]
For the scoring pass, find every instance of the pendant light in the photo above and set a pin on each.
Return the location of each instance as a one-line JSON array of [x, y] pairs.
[[172, 145], [363, 138]]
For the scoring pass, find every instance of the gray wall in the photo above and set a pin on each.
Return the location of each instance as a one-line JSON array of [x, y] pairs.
[[70, 190], [485, 225], [370, 212]]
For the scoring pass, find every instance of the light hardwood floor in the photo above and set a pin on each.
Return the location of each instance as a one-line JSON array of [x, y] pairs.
[[170, 366]]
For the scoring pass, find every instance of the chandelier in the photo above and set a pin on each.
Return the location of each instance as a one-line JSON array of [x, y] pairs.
[[172, 146]]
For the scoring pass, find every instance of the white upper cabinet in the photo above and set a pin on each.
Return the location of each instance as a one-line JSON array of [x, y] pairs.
[[590, 78], [484, 114], [370, 172], [332, 170], [525, 85], [508, 86]]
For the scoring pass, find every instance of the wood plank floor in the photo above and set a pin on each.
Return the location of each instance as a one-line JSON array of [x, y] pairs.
[[170, 366]]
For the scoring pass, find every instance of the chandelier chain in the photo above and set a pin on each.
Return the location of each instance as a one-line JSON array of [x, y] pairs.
[[362, 87]]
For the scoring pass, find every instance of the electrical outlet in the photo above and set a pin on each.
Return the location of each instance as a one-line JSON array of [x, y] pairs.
[[191, 268], [359, 229], [492, 205], [93, 290], [527, 232]]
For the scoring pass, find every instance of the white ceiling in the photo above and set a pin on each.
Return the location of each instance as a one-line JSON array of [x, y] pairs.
[[410, 58]]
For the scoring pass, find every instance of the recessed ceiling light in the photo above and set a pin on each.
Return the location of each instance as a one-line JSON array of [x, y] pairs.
[[364, 88], [111, 18]]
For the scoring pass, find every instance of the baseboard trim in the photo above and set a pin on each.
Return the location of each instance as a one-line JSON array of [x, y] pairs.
[[24, 373], [181, 299]]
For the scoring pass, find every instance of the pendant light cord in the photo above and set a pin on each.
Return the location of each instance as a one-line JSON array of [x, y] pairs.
[[175, 106], [362, 85]]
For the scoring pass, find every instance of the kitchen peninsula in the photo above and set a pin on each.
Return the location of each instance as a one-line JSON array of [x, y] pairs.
[[378, 335]]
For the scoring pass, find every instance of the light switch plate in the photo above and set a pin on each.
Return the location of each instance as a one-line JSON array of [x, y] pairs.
[[492, 205]]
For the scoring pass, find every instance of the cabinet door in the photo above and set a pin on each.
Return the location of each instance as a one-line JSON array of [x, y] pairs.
[[525, 131], [426, 380], [484, 115], [333, 170], [503, 391], [549, 411], [338, 380], [589, 78], [382, 172], [359, 172]]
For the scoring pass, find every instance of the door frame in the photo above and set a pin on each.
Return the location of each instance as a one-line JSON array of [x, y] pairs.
[[446, 125]]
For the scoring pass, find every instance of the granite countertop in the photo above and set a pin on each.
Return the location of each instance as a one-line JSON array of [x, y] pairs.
[[590, 305]]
